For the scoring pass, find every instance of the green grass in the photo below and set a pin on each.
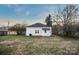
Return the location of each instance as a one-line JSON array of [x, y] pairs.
[[15, 37], [26, 45]]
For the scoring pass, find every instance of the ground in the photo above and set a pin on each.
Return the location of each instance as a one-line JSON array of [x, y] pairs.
[[23, 45]]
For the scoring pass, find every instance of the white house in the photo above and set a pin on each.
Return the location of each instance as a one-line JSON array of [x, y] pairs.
[[38, 29]]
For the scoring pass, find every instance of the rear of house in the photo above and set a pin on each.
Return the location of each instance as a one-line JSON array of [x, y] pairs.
[[3, 30], [38, 29]]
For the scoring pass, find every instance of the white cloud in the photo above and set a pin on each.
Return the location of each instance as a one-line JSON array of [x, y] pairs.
[[19, 9], [27, 13], [10, 5]]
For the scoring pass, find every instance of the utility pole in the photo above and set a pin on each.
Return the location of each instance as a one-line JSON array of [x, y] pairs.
[[8, 27]]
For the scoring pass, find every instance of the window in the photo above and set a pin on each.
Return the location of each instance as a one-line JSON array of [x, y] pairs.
[[36, 31], [45, 29]]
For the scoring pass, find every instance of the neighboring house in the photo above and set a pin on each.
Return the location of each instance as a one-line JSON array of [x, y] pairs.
[[12, 32], [38, 29], [3, 30]]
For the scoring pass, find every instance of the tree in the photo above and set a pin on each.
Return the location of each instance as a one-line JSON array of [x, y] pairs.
[[49, 20], [67, 17], [19, 28]]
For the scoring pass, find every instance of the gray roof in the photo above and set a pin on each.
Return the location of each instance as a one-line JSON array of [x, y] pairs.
[[38, 25]]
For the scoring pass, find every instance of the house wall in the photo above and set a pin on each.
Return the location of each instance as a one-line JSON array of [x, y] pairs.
[[3, 30], [3, 33], [31, 30]]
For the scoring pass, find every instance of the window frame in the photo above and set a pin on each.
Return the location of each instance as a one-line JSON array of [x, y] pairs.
[[36, 31]]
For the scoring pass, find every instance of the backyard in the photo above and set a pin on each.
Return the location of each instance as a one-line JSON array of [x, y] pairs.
[[26, 45]]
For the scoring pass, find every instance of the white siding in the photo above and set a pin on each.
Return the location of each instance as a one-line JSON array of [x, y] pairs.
[[31, 30]]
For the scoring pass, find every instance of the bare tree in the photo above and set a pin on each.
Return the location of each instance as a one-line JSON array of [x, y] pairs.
[[19, 28], [66, 16]]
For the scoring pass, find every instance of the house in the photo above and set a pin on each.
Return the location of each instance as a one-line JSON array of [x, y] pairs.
[[3, 30], [38, 29]]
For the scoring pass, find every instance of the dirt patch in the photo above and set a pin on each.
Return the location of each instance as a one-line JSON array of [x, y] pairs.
[[9, 42]]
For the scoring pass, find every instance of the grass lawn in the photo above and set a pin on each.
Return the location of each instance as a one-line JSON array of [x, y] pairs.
[[23, 45]]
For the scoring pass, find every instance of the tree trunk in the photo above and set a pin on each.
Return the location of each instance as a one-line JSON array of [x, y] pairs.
[[66, 30]]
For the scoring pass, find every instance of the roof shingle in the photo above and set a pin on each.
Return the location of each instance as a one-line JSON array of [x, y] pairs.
[[38, 25]]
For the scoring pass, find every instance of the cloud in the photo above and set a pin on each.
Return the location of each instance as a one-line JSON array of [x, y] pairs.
[[38, 16], [44, 13], [19, 9], [11, 5], [4, 22], [15, 7], [27, 13], [23, 13]]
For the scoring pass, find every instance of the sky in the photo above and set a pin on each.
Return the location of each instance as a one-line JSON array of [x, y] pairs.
[[26, 13]]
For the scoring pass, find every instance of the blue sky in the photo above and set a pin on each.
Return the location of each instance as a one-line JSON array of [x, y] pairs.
[[29, 13]]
